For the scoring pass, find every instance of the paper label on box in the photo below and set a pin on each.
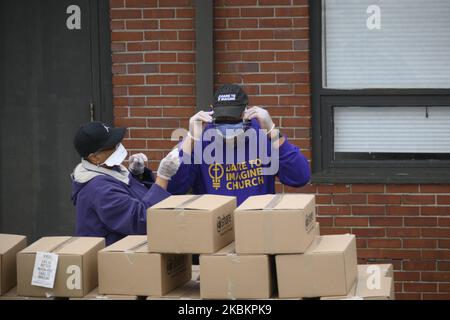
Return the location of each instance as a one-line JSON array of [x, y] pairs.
[[44, 271]]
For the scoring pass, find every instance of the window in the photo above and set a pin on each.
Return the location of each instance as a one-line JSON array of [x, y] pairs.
[[381, 90], [391, 133]]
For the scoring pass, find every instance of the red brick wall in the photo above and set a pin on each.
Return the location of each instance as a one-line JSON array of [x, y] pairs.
[[263, 45], [153, 45]]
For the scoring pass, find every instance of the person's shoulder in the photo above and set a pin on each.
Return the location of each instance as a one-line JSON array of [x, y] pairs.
[[101, 181]]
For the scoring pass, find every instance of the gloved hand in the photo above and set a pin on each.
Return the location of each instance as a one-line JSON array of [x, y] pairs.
[[169, 165], [136, 163], [263, 116], [197, 123]]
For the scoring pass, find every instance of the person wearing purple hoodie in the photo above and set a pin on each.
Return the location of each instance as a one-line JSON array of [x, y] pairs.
[[111, 201], [226, 128]]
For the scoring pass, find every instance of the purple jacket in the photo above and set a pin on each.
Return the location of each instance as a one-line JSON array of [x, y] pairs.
[[112, 203], [243, 180]]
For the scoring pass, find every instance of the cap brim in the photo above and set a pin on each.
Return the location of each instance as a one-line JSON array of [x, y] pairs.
[[228, 112], [117, 135]]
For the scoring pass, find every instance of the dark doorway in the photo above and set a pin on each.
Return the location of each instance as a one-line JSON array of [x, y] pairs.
[[55, 74]]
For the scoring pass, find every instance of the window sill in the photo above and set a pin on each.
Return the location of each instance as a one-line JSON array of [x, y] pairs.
[[384, 175]]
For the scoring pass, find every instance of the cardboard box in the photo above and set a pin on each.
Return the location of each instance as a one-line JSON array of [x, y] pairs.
[[76, 273], [382, 291], [275, 224], [226, 275], [191, 224], [127, 267], [94, 295], [10, 244], [375, 282], [327, 268]]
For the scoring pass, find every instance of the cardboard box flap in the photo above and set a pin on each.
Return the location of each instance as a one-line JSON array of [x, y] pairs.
[[79, 245], [194, 202], [129, 243], [255, 202], [45, 244], [173, 201], [331, 243], [294, 201], [7, 241], [209, 202], [290, 201]]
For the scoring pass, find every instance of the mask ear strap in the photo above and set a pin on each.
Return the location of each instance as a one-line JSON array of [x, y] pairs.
[[246, 121]]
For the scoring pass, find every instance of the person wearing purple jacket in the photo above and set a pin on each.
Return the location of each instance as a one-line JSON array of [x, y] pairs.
[[232, 120], [111, 201]]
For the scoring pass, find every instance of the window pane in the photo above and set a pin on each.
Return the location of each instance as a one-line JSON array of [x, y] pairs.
[[386, 44], [377, 133]]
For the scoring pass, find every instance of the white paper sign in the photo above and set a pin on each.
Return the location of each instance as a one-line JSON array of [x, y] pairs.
[[44, 269]]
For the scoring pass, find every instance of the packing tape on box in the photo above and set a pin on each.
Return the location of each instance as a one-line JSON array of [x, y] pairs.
[[275, 200], [309, 267], [63, 244], [183, 205], [230, 289], [180, 219], [133, 250], [268, 222], [56, 248], [235, 259]]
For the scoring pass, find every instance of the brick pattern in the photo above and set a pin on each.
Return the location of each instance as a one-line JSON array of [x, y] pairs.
[[263, 45], [153, 71]]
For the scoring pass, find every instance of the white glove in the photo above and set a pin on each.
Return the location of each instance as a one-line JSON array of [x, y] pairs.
[[136, 163], [169, 165], [264, 119], [197, 122]]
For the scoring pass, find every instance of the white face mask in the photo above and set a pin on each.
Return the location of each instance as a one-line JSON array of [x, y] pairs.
[[117, 157]]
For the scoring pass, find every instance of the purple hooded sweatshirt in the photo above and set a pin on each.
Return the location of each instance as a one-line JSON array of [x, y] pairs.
[[244, 179], [112, 203]]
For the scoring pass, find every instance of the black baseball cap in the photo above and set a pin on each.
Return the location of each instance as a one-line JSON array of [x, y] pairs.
[[230, 101], [96, 136]]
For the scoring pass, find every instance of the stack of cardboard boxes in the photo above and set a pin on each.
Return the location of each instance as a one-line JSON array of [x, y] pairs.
[[159, 265], [264, 227], [268, 247], [278, 246], [52, 267], [191, 224]]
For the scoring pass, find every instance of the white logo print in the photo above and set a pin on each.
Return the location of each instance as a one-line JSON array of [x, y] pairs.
[[374, 20], [107, 128], [73, 281], [73, 22], [374, 280], [226, 97]]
